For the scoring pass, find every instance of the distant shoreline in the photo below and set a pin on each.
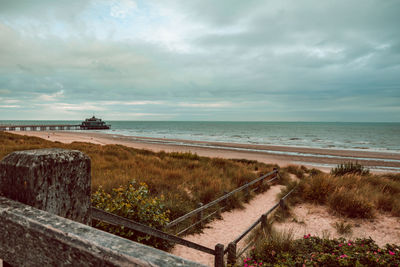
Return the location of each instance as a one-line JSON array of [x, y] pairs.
[[319, 158]]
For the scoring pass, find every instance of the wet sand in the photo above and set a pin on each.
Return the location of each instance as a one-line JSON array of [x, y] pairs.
[[311, 157]]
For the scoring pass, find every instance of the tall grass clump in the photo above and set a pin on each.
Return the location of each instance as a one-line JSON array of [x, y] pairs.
[[343, 228], [350, 203], [352, 194], [296, 170], [316, 189], [349, 168]]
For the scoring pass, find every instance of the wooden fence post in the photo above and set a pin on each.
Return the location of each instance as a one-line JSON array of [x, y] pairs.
[[219, 211], [263, 221], [277, 172], [232, 253], [226, 201], [219, 255], [246, 194], [282, 204], [200, 216]]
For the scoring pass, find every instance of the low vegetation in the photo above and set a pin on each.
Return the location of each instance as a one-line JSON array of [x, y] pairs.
[[155, 188], [343, 228], [349, 191], [349, 168], [133, 202], [179, 180], [280, 249], [352, 195]]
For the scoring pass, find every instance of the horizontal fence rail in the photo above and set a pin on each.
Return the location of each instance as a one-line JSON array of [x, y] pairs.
[[113, 219], [200, 221], [121, 221], [218, 200]]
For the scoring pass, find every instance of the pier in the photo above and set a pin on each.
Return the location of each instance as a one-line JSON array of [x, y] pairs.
[[49, 127]]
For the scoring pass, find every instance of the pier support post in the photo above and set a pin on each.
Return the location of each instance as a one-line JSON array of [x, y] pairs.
[[54, 180]]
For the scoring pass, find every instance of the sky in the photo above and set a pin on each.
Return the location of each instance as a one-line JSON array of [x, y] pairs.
[[200, 60]]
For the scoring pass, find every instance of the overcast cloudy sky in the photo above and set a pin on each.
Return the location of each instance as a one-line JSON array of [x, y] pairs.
[[332, 60]]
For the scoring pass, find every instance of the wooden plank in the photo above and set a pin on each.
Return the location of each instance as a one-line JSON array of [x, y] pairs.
[[193, 212], [120, 221]]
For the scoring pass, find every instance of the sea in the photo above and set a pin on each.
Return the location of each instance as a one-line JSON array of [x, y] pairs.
[[365, 136]]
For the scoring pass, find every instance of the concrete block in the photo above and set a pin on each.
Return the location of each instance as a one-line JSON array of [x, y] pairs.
[[54, 180]]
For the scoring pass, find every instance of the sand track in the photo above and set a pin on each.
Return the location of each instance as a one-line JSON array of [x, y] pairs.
[[233, 223]]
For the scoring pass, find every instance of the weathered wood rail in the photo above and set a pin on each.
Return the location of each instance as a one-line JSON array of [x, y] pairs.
[[45, 216], [113, 219], [199, 211]]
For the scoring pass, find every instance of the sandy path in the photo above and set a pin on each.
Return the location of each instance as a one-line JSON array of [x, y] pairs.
[[233, 223]]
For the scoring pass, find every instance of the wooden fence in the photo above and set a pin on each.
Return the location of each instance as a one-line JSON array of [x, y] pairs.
[[218, 252], [199, 211], [233, 255], [113, 219]]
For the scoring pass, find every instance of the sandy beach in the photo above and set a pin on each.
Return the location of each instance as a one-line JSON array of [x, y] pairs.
[[322, 159]]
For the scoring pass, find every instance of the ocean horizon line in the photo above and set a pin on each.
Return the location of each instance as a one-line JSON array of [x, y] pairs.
[[241, 121]]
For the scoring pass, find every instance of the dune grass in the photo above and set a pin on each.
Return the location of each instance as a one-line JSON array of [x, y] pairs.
[[355, 194], [182, 179], [349, 168]]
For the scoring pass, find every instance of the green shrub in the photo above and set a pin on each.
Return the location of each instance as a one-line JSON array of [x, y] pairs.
[[134, 203], [314, 251], [349, 168]]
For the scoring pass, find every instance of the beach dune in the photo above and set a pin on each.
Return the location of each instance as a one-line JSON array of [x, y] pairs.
[[323, 159]]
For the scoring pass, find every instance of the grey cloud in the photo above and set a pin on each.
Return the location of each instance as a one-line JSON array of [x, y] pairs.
[[42, 9], [301, 57]]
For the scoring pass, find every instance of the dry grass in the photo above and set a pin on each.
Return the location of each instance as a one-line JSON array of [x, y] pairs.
[[184, 179], [299, 171], [351, 195], [343, 228]]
